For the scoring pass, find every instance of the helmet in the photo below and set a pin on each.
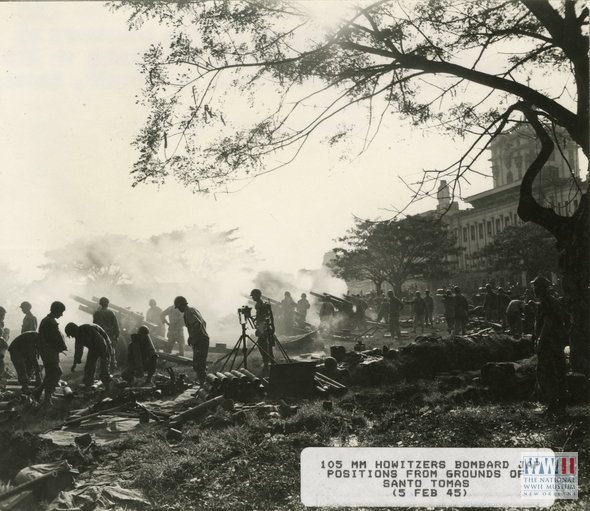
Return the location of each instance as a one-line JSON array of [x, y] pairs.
[[541, 281], [179, 300], [449, 292], [287, 293], [71, 329], [26, 305], [330, 363], [488, 286], [256, 292], [57, 307], [2, 310], [143, 330], [457, 289], [152, 302], [104, 301], [500, 290], [303, 295]]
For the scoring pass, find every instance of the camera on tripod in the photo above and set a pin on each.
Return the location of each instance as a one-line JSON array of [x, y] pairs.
[[244, 314]]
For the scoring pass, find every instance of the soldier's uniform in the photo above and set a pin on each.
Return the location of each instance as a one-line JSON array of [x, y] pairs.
[[24, 351], [141, 356], [51, 344], [264, 332], [106, 319], [175, 329], [198, 339], [96, 340]]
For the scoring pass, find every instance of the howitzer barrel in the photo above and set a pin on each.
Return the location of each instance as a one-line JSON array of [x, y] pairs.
[[197, 410], [122, 310], [87, 303]]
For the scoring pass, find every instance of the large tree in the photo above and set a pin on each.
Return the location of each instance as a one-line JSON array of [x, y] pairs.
[[525, 247], [397, 250], [468, 66]]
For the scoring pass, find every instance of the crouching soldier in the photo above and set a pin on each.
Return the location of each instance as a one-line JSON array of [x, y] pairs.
[[24, 352], [96, 340], [141, 357]]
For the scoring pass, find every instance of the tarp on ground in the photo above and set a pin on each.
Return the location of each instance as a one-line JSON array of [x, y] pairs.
[[98, 497], [104, 430]]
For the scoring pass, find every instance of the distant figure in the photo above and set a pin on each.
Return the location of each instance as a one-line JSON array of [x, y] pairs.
[[490, 304], [98, 344], [449, 305], [326, 315], [29, 321], [198, 338], [514, 313], [395, 306], [288, 307], [264, 329], [359, 317], [175, 324], [105, 318], [429, 309], [530, 312], [4, 332], [303, 306], [51, 344], [3, 349], [141, 357], [551, 336], [383, 311], [461, 312], [419, 311], [153, 316], [24, 352], [503, 301]]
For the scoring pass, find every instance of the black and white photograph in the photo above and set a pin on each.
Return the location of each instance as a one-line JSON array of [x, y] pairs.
[[272, 255]]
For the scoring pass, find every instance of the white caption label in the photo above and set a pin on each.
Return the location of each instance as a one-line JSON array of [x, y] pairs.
[[395, 477]]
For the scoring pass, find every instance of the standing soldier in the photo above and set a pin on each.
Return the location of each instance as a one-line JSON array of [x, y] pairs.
[[175, 324], [429, 309], [449, 304], [29, 321], [503, 301], [264, 329], [490, 304], [395, 307], [288, 307], [303, 306], [105, 318], [419, 311], [461, 312], [153, 316], [24, 352], [551, 336], [96, 340], [51, 344], [198, 338], [326, 315]]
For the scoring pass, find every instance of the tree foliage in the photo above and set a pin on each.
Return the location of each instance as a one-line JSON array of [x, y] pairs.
[[396, 251], [525, 247]]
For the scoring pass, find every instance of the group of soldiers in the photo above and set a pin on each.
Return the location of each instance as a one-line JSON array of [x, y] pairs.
[[102, 340]]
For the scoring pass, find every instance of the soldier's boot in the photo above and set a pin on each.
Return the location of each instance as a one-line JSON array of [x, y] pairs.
[[36, 394], [47, 400]]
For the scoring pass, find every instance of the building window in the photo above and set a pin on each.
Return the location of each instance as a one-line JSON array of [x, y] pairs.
[[464, 233], [489, 228], [481, 231], [473, 233], [498, 226], [509, 177], [507, 221]]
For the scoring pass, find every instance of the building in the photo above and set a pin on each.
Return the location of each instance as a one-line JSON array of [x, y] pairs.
[[491, 211]]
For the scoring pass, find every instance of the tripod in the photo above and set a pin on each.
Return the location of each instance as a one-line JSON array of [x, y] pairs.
[[245, 320]]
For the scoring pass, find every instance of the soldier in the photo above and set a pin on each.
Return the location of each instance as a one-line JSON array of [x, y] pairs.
[[153, 315], [429, 309], [198, 338], [24, 352], [29, 321], [175, 324], [419, 311], [3, 349], [551, 336], [288, 307], [96, 340], [449, 305], [141, 357], [503, 301], [394, 309], [461, 312], [303, 306], [264, 329], [326, 315], [51, 344], [514, 313], [4, 332], [490, 304], [105, 318]]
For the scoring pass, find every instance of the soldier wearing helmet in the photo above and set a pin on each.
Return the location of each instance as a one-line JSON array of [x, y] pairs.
[[175, 324], [302, 307], [264, 329], [141, 357], [490, 304], [97, 342], [51, 344], [29, 321], [105, 318], [551, 340], [153, 316], [198, 338]]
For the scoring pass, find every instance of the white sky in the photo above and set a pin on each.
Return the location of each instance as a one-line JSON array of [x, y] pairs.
[[68, 80]]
